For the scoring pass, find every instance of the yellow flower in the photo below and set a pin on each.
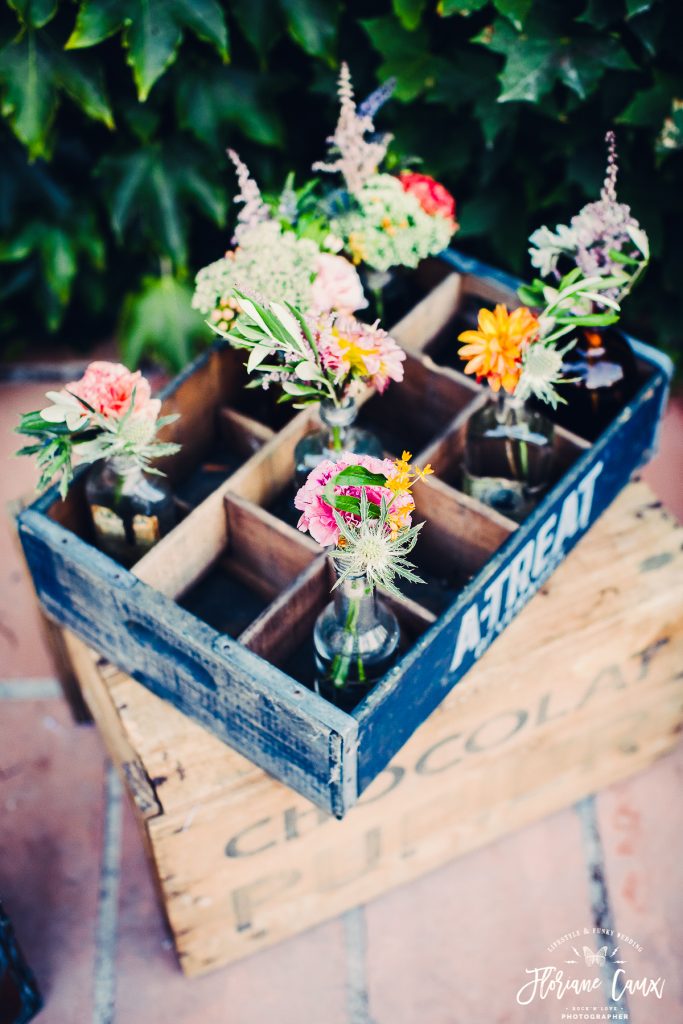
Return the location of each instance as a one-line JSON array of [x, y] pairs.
[[494, 351]]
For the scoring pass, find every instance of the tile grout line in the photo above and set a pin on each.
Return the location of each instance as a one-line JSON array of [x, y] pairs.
[[104, 975], [30, 688], [355, 935], [599, 893]]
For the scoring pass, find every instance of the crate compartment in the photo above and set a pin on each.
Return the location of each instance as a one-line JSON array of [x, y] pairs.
[[283, 634], [259, 560], [446, 454]]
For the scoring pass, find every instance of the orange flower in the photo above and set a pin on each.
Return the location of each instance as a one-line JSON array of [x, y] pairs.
[[494, 351]]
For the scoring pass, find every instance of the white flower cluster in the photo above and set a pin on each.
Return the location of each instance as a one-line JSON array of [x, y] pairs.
[[389, 228]]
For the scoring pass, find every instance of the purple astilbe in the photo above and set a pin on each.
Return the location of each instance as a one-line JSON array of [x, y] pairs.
[[254, 210], [376, 100], [605, 226], [357, 158]]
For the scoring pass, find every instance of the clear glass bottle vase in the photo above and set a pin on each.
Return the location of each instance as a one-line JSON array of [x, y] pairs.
[[509, 456], [130, 509], [338, 434], [356, 640]]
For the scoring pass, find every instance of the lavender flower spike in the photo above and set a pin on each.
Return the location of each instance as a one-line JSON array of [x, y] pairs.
[[254, 211]]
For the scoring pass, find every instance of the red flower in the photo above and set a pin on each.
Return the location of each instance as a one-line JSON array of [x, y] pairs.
[[430, 194]]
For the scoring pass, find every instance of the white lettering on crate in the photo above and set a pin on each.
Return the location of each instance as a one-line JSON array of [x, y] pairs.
[[484, 619]]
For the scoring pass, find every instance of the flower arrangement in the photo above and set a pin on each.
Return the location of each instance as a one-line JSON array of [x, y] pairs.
[[603, 239], [314, 358], [362, 507], [281, 252], [109, 412], [518, 351], [385, 220]]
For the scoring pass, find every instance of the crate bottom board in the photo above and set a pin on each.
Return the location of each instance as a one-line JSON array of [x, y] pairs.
[[243, 862]]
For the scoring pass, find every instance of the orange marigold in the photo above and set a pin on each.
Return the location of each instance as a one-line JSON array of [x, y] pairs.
[[494, 351]]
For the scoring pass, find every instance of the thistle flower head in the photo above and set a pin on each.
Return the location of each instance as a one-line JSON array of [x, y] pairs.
[[368, 548], [541, 371]]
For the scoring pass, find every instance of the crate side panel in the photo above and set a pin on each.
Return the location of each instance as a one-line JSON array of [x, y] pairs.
[[285, 729], [418, 684]]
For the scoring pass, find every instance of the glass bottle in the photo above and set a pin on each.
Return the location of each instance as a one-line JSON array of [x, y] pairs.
[[509, 456], [356, 639], [130, 509], [339, 434], [603, 377]]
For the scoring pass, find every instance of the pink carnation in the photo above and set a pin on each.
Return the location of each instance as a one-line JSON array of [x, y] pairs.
[[317, 516], [336, 285], [108, 388]]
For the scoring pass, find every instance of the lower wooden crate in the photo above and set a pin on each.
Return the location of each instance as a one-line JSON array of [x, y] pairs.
[[583, 689]]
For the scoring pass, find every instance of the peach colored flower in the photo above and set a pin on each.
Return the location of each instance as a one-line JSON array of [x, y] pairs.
[[494, 350], [109, 387]]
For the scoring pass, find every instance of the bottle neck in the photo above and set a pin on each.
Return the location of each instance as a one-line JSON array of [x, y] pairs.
[[338, 421], [355, 603], [508, 409], [124, 466]]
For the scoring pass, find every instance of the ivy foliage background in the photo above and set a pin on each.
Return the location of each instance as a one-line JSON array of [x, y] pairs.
[[115, 116]]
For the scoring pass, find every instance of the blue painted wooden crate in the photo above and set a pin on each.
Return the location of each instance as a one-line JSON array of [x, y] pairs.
[[20, 999], [217, 618]]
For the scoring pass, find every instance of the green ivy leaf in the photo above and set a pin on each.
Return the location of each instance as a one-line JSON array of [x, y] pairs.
[[33, 71], [260, 22], [634, 7], [209, 99], [313, 25], [36, 13], [152, 31], [409, 12], [406, 56], [159, 320], [154, 188], [649, 107], [515, 11], [464, 7]]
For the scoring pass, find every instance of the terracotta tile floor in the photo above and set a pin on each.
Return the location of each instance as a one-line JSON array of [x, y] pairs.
[[445, 950]]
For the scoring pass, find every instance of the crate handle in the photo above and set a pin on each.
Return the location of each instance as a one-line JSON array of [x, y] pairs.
[[149, 639]]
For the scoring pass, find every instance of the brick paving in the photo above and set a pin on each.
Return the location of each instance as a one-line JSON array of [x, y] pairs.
[[450, 948]]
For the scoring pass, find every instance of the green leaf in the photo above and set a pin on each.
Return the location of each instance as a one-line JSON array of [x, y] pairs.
[[515, 10], [406, 56], [648, 107], [464, 7], [260, 22], [359, 476], [153, 189], [312, 24], [159, 321], [33, 71], [29, 101], [35, 12], [209, 99], [96, 21], [152, 39], [409, 12], [206, 19], [634, 7], [59, 263]]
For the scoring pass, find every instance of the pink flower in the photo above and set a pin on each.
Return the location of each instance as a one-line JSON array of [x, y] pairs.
[[430, 194], [350, 348], [336, 285], [108, 388], [317, 516]]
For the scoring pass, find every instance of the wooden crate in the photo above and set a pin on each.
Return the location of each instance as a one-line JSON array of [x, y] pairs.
[[216, 617], [583, 689]]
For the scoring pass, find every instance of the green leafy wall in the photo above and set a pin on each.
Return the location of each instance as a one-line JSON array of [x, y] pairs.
[[114, 185]]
